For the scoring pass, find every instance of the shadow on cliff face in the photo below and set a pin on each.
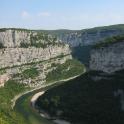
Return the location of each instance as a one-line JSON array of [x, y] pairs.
[[85, 101], [82, 53]]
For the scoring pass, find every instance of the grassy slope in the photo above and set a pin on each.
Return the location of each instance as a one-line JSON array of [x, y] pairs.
[[69, 69], [84, 101], [7, 115]]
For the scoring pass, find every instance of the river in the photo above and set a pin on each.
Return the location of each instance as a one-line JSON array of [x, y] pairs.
[[31, 115], [23, 106]]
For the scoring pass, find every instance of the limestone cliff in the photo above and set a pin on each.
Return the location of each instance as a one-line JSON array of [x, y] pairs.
[[87, 36], [22, 50], [17, 56], [13, 38], [108, 58]]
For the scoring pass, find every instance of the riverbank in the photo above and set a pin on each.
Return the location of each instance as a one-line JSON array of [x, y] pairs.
[[43, 114], [35, 97], [61, 122], [13, 101]]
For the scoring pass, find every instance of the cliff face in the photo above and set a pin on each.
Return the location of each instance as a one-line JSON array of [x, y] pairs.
[[18, 56], [81, 41], [87, 36], [32, 52], [13, 38], [108, 59]]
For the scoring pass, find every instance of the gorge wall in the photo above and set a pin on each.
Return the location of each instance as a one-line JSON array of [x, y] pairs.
[[17, 56], [13, 37], [108, 59], [81, 41], [22, 50], [87, 36]]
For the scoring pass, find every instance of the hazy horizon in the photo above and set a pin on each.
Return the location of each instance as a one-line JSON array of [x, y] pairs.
[[57, 28]]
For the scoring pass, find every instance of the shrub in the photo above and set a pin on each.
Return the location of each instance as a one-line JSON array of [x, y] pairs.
[[109, 41], [69, 69], [24, 45], [30, 73], [1, 45]]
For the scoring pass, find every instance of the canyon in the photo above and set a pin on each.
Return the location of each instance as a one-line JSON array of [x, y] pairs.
[[31, 59]]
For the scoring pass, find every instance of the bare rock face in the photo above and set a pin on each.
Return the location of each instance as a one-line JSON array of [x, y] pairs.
[[39, 51], [88, 36], [17, 56], [85, 38], [3, 79], [13, 54], [108, 59], [13, 38]]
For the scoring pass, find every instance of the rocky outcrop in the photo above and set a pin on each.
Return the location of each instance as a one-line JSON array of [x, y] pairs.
[[17, 56], [22, 50], [13, 38], [88, 37], [108, 59], [3, 79], [43, 68]]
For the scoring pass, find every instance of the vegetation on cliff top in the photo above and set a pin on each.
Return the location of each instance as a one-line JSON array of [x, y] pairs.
[[15, 29], [109, 41], [41, 40], [37, 39]]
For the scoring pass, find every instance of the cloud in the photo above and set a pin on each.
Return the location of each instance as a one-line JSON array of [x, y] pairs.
[[25, 14], [44, 14]]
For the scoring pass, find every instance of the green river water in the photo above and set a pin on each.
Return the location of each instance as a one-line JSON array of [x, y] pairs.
[[24, 108]]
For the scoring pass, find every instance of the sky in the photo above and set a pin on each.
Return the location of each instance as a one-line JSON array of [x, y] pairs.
[[60, 14]]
